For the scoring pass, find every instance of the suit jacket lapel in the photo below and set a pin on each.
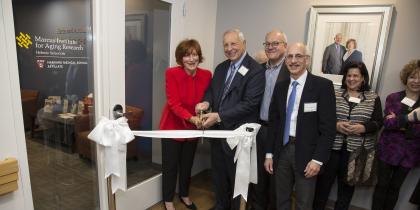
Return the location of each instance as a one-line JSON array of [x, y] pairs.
[[238, 76], [307, 91], [222, 79], [284, 73]]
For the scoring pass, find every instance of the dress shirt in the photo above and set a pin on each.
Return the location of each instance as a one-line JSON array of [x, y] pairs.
[[271, 74], [299, 89]]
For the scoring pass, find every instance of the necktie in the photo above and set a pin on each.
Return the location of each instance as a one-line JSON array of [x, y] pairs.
[[289, 110], [229, 79]]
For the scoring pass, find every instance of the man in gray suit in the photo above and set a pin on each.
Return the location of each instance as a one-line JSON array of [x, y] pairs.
[[333, 56]]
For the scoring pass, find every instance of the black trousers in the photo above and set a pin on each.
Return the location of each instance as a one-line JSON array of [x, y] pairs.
[[223, 174], [176, 155], [262, 196], [390, 179], [336, 167]]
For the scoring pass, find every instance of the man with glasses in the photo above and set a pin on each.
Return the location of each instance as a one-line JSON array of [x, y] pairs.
[[234, 94], [301, 130], [261, 195]]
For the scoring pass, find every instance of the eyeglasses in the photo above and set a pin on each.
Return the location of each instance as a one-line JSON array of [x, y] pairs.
[[298, 57], [272, 44]]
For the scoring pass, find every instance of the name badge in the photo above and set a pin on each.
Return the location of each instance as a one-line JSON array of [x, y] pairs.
[[354, 100], [243, 70], [309, 107], [408, 101]]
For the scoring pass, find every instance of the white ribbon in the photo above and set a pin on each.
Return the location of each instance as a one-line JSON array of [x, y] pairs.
[[113, 135]]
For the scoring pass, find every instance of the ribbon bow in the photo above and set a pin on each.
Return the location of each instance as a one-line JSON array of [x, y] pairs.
[[245, 158], [113, 136]]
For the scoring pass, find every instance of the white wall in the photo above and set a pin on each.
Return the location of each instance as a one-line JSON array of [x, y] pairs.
[[255, 18], [12, 143]]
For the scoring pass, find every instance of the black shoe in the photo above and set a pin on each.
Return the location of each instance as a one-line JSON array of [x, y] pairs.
[[191, 206]]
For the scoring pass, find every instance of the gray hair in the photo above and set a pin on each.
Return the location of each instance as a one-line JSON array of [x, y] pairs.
[[279, 32], [237, 31]]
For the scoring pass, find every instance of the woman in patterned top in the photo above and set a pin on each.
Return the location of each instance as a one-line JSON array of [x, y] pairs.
[[359, 118], [399, 144]]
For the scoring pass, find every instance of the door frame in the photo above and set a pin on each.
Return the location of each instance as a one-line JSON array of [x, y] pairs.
[[108, 21], [11, 124]]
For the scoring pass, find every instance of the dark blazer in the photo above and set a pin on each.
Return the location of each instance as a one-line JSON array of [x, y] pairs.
[[243, 99], [283, 74], [356, 56], [315, 131], [331, 61]]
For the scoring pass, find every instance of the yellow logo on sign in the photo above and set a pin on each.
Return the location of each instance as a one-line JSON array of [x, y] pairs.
[[24, 40]]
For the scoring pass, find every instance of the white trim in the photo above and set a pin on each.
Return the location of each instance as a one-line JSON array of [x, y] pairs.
[[108, 56], [23, 196], [145, 195]]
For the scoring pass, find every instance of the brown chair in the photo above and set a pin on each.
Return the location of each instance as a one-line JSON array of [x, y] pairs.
[[83, 124], [29, 107]]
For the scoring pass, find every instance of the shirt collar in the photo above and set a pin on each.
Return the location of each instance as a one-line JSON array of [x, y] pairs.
[[301, 80], [269, 66], [238, 63]]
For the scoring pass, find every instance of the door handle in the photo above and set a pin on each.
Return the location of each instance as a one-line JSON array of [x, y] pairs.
[[117, 111]]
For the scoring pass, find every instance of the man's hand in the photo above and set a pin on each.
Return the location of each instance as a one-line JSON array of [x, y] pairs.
[[210, 119], [268, 165], [203, 106], [312, 169]]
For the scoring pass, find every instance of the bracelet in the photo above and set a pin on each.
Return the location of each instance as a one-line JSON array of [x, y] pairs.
[[415, 116]]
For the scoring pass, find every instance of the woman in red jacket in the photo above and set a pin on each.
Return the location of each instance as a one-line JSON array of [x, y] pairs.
[[185, 87]]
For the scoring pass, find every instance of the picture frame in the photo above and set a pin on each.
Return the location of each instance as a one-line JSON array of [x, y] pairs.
[[368, 25]]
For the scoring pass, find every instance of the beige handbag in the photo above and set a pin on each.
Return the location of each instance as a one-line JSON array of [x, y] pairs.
[[361, 168]]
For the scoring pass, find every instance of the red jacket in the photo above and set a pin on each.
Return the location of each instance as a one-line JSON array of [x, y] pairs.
[[183, 92]]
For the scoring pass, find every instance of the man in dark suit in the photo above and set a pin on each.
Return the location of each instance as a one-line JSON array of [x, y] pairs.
[[333, 56], [301, 130], [261, 195], [234, 97]]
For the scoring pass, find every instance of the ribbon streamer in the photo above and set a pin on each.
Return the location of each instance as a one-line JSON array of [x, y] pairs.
[[113, 136]]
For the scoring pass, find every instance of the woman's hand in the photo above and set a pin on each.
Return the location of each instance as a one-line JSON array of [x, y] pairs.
[[356, 128], [196, 121], [342, 127], [415, 114], [390, 116]]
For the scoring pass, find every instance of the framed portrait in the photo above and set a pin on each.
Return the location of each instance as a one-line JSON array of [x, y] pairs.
[[135, 27], [338, 35]]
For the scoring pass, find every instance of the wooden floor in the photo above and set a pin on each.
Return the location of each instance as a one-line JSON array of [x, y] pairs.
[[200, 192]]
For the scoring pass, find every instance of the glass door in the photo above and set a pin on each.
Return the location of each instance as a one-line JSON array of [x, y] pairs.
[[54, 50], [131, 53]]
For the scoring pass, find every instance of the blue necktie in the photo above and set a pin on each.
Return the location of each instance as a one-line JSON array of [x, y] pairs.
[[289, 110]]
